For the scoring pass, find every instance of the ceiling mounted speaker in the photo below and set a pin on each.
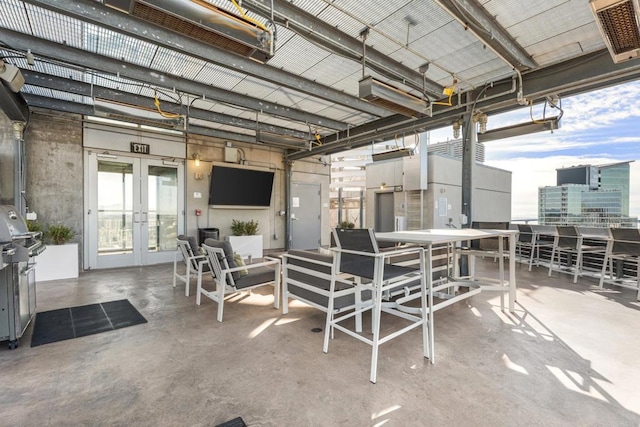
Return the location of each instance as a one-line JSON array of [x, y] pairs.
[[619, 25], [392, 98]]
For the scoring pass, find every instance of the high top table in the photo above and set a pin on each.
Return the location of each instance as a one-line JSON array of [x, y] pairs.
[[433, 237]]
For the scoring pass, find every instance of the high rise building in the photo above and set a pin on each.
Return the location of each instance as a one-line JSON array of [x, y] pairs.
[[588, 195]]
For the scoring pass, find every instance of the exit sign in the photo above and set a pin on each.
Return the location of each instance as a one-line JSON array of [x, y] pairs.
[[139, 148]]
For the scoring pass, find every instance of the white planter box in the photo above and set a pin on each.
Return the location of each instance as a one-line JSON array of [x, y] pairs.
[[57, 262], [246, 245]]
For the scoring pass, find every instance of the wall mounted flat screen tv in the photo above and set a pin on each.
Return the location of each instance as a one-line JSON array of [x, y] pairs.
[[240, 187]]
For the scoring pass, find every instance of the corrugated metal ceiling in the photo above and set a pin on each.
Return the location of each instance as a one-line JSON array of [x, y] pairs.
[[411, 33]]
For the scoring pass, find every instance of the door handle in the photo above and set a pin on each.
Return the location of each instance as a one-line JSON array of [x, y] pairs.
[[136, 217], [145, 217]]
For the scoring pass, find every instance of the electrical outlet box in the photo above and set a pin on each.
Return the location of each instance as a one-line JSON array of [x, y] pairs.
[[231, 155]]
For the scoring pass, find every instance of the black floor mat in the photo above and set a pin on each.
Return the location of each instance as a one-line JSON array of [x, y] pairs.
[[236, 422], [73, 322]]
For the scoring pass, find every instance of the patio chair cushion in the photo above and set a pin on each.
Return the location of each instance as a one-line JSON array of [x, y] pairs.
[[319, 282], [228, 254], [255, 277], [193, 244]]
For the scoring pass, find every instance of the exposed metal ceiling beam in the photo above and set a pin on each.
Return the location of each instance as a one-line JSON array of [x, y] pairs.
[[97, 14], [151, 77], [220, 134], [587, 73], [86, 110], [58, 104], [86, 89], [489, 31], [342, 43]]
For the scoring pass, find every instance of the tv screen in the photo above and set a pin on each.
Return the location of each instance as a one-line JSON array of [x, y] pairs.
[[240, 187]]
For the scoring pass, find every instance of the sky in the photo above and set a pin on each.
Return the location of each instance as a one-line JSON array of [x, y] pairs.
[[597, 128]]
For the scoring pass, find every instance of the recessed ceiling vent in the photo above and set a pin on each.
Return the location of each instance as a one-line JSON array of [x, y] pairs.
[[619, 24], [204, 22]]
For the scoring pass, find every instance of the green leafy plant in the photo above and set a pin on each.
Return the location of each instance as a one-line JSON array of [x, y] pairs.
[[59, 234], [244, 228], [34, 226], [346, 224]]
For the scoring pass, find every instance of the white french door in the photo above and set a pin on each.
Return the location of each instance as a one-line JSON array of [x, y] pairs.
[[135, 210]]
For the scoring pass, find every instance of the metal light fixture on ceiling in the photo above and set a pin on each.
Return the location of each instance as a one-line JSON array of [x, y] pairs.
[[206, 22], [387, 96], [12, 76], [520, 129], [618, 22]]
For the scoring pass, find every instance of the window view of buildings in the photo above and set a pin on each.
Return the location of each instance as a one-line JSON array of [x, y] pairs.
[[588, 195]]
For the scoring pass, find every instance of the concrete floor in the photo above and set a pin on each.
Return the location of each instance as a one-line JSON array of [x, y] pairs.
[[569, 356]]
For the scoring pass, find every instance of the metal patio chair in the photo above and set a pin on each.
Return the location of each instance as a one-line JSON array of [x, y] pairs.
[[310, 277], [570, 242], [623, 246], [190, 252], [358, 255], [229, 278]]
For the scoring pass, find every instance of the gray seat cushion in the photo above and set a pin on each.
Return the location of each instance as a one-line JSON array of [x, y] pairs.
[[256, 276], [228, 254], [195, 250], [318, 282], [193, 244]]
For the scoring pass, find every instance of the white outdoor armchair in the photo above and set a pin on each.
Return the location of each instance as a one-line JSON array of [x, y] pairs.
[[228, 278], [189, 251]]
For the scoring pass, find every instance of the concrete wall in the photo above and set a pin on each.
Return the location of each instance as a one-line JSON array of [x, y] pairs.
[[7, 143], [54, 168], [271, 223], [54, 185]]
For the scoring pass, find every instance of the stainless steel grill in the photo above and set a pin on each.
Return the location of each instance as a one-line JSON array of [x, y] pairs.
[[17, 277]]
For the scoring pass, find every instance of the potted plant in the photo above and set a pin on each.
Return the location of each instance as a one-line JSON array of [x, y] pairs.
[[60, 258], [346, 224], [245, 239]]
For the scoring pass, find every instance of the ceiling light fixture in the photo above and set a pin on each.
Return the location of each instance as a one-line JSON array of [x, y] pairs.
[[206, 22], [618, 22], [386, 96], [551, 124], [12, 75]]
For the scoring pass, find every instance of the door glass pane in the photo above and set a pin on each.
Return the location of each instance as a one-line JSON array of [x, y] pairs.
[[115, 207], [163, 208]]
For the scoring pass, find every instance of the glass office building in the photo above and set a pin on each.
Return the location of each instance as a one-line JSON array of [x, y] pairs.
[[590, 196]]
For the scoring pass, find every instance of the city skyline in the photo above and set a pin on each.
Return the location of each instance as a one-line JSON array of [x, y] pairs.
[[597, 128]]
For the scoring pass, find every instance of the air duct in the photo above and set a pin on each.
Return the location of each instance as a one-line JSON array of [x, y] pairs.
[[618, 22], [204, 22], [391, 98]]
